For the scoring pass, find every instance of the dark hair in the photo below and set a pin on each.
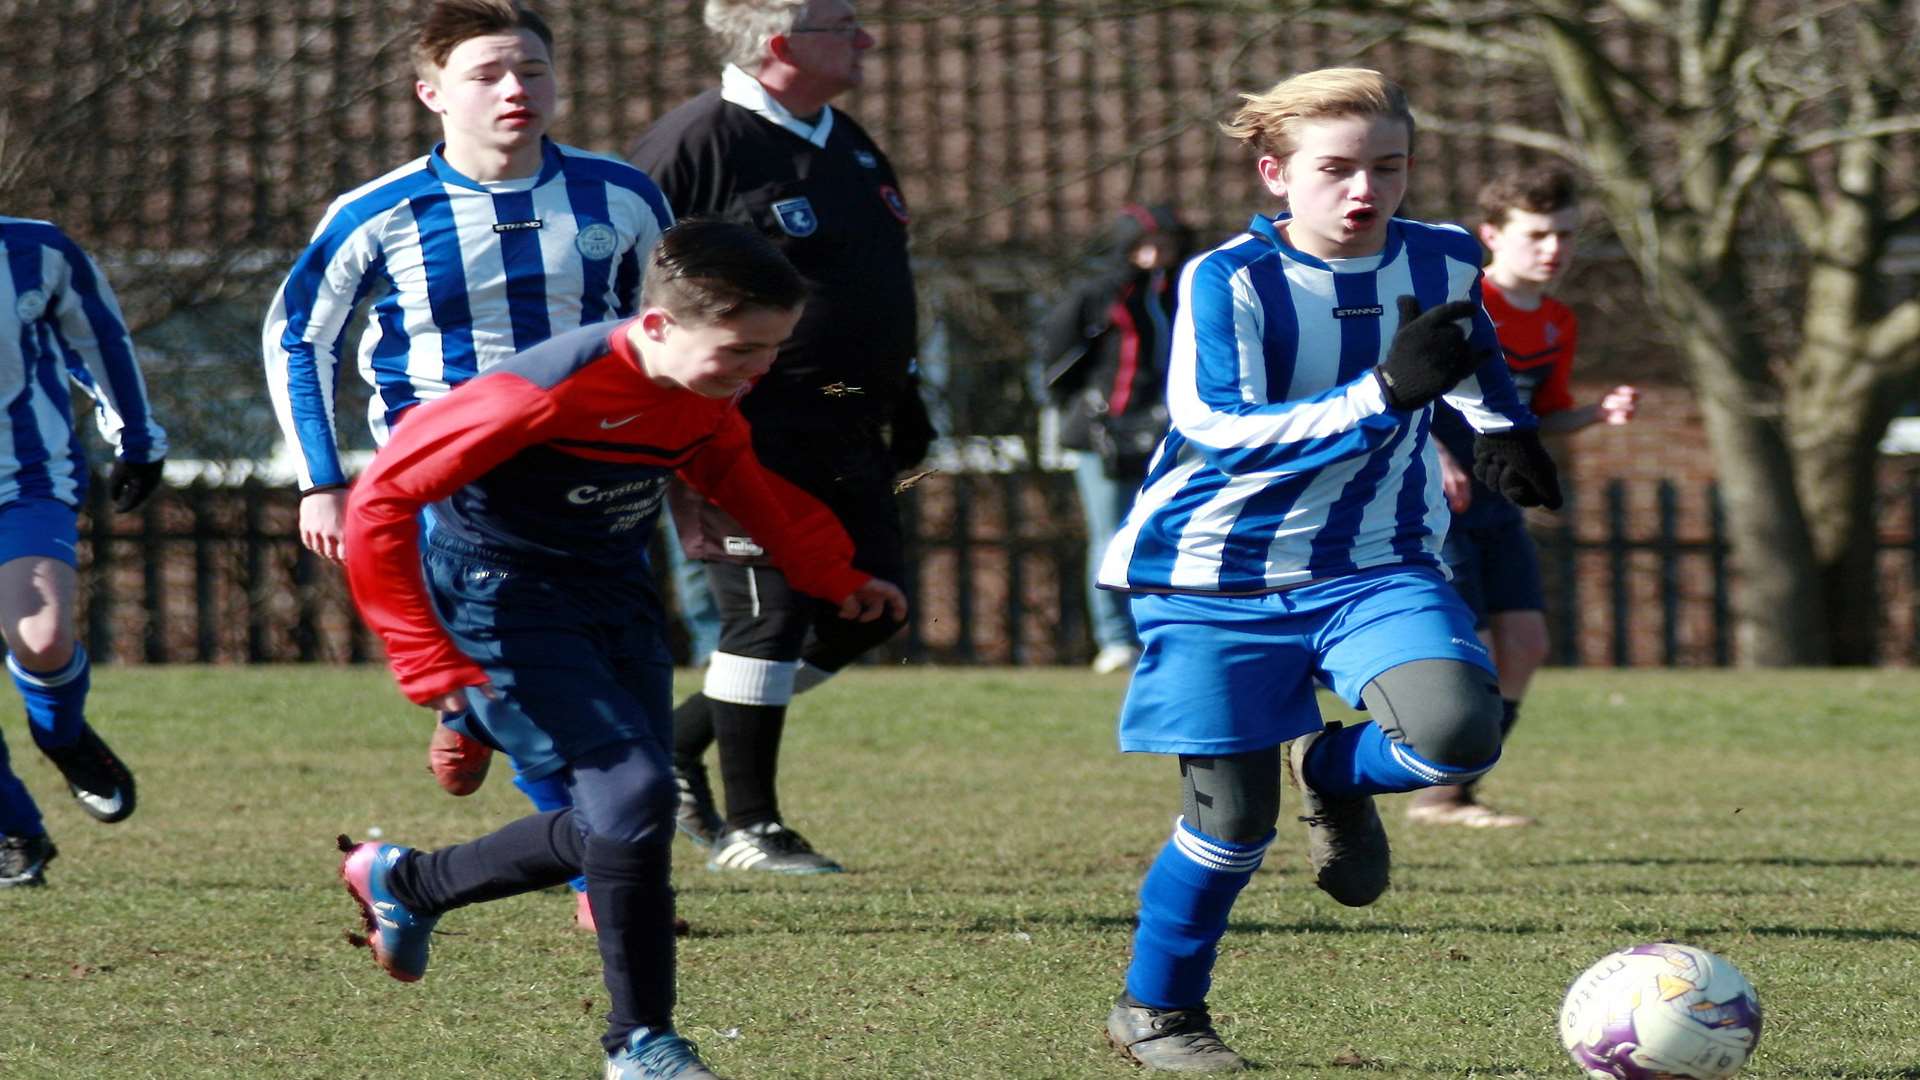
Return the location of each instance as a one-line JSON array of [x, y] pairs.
[[447, 23], [1540, 190], [704, 270]]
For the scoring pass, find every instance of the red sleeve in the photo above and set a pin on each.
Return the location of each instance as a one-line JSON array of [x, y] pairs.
[[801, 535], [1555, 392], [441, 447]]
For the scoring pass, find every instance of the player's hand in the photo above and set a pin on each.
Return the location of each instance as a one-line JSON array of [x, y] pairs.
[[130, 482], [1514, 464], [1455, 483], [323, 516], [1618, 406], [874, 599], [1428, 356], [455, 701]]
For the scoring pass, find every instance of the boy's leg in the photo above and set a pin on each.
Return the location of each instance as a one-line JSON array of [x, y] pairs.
[[52, 672]]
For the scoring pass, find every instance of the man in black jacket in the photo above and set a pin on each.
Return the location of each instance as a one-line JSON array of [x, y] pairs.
[[1105, 350], [837, 416]]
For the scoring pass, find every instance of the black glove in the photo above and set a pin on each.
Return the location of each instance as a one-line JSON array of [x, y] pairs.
[[130, 482], [910, 431], [1514, 464], [1428, 356]]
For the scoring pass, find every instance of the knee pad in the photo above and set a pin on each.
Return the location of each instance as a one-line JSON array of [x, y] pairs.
[[1446, 711], [1235, 798]]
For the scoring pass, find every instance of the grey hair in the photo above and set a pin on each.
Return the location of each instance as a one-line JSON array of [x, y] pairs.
[[745, 27]]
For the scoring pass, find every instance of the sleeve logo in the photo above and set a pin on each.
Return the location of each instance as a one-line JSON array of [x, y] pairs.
[[896, 205], [597, 241], [796, 216]]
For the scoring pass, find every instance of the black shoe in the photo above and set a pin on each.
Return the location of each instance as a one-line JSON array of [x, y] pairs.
[[98, 779], [772, 847], [1346, 842], [696, 816], [24, 859], [1170, 1040]]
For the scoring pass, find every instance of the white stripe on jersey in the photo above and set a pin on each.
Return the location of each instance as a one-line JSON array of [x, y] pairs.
[[1260, 485]]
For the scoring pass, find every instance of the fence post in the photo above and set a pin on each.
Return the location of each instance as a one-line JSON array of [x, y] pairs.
[[306, 621], [963, 561], [1566, 558], [253, 494], [100, 593], [153, 543], [1016, 580], [1617, 568], [909, 503], [204, 637], [1669, 576], [1717, 541]]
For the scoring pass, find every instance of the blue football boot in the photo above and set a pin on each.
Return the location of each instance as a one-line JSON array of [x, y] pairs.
[[657, 1055], [397, 936]]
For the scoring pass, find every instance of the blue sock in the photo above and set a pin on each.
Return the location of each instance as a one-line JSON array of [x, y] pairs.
[[1184, 903], [56, 700], [1361, 760], [548, 793], [19, 815]]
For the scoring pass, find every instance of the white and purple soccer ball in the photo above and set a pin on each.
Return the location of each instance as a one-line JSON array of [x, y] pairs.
[[1660, 1010]]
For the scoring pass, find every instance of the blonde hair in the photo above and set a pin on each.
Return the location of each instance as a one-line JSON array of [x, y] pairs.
[[746, 27], [1269, 122]]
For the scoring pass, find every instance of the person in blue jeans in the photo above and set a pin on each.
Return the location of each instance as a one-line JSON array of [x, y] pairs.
[[1105, 347]]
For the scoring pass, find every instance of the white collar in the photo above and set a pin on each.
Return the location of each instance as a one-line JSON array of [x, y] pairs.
[[745, 91]]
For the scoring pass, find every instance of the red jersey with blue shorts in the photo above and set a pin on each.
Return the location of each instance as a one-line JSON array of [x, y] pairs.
[[558, 459]]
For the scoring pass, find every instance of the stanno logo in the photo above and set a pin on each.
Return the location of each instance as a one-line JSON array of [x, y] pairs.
[[516, 226], [1368, 311]]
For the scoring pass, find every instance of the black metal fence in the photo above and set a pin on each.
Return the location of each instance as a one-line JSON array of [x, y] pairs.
[[216, 574]]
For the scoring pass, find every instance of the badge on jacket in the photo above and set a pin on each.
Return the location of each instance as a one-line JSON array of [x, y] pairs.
[[796, 216]]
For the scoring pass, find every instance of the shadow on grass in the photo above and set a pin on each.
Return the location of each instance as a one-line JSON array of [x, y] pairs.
[[1789, 861]]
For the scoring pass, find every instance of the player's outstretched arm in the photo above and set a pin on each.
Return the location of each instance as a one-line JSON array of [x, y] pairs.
[[874, 599]]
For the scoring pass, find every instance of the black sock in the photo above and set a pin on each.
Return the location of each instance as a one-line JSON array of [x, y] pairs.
[[692, 730], [632, 899], [1509, 714], [749, 738], [535, 852]]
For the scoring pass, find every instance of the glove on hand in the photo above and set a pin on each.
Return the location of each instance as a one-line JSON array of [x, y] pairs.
[[1514, 464], [130, 482], [910, 433], [1428, 356]]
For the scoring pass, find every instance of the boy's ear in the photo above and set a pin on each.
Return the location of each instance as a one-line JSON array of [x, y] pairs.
[[1273, 173], [429, 95], [654, 323], [1487, 232]]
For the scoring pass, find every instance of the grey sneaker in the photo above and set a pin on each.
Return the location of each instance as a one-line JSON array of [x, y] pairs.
[[1170, 1040], [697, 817], [1346, 843], [772, 847], [24, 859]]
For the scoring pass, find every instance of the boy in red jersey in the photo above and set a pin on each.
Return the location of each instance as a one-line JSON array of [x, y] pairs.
[[537, 610], [1528, 223]]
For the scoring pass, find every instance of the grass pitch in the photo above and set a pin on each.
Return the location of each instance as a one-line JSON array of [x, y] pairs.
[[997, 840]]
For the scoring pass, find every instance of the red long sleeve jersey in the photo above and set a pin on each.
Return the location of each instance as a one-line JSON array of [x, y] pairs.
[[559, 457]]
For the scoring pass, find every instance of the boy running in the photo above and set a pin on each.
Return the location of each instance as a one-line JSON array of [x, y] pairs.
[[1288, 533], [537, 608]]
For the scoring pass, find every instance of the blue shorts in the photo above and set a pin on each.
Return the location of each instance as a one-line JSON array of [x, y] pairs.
[[1230, 674], [578, 660], [1495, 566], [39, 527]]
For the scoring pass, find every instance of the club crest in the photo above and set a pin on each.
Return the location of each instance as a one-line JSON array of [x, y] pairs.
[[30, 305], [597, 241], [796, 216]]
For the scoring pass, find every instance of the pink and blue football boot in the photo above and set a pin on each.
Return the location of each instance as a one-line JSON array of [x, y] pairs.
[[396, 935]]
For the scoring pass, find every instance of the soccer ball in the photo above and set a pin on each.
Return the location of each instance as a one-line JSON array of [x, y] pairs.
[[1660, 1010]]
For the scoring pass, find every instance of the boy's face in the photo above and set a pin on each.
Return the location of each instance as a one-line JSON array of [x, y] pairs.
[[495, 92], [716, 359], [1343, 182], [1530, 247]]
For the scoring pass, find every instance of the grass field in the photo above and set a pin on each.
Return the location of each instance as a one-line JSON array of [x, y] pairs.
[[996, 839]]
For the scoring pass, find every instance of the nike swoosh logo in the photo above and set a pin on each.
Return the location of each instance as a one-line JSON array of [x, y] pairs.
[[103, 803], [609, 425]]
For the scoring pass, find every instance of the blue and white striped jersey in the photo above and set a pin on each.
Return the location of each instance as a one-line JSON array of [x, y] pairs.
[[60, 325], [463, 274], [1284, 464]]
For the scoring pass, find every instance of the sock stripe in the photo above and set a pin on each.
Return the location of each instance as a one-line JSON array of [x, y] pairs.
[[49, 680], [1217, 855], [747, 680]]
